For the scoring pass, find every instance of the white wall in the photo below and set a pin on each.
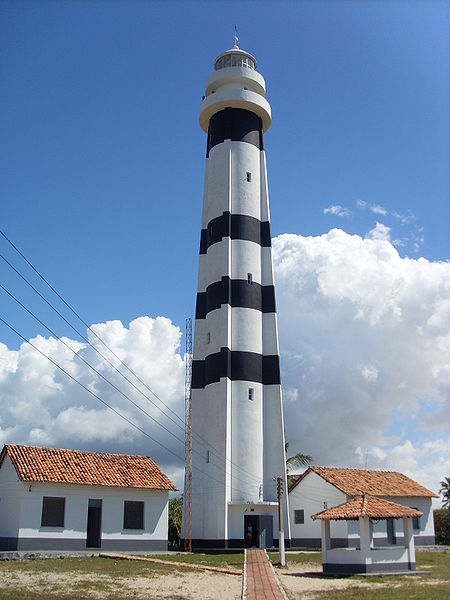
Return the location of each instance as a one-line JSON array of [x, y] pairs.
[[77, 497], [76, 511], [10, 499], [310, 495]]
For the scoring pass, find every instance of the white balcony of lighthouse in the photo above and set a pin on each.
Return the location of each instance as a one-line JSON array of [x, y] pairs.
[[235, 83]]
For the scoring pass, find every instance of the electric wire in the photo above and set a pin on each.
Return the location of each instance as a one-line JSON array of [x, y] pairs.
[[204, 442], [101, 375], [106, 359], [117, 412]]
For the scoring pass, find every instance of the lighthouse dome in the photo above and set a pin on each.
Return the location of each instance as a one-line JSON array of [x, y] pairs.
[[235, 57]]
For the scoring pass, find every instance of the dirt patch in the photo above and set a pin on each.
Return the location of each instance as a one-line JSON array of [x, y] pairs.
[[207, 586], [304, 580]]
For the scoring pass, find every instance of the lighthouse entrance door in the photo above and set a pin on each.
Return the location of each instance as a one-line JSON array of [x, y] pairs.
[[265, 531], [251, 531], [258, 531]]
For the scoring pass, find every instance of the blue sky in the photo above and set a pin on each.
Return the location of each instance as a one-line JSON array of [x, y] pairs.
[[102, 157]]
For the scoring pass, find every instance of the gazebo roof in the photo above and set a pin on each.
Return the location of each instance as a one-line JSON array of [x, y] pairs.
[[366, 506]]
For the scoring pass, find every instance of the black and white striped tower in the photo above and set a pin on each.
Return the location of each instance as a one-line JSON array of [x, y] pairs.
[[237, 419]]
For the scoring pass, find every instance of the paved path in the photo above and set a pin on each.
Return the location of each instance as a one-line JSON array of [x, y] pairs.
[[260, 579]]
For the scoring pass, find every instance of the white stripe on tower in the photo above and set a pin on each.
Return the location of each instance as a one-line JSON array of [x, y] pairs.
[[236, 395]]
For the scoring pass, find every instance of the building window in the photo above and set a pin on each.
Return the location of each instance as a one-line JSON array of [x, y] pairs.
[[390, 528], [415, 520], [133, 515], [207, 456], [208, 337], [299, 516], [249, 278], [251, 393], [53, 512], [249, 176]]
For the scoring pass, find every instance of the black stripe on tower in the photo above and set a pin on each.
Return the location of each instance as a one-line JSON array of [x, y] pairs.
[[238, 227], [237, 366], [236, 293], [237, 125]]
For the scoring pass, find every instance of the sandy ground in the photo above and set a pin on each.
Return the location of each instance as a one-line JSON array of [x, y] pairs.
[[304, 580], [299, 581], [207, 586]]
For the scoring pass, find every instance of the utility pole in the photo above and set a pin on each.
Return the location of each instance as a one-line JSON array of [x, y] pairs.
[[279, 481]]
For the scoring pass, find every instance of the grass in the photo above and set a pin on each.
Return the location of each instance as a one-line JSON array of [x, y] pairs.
[[297, 557], [72, 578], [91, 565], [234, 560], [89, 577]]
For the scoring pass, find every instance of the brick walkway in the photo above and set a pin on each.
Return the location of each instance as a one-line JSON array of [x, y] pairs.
[[261, 582]]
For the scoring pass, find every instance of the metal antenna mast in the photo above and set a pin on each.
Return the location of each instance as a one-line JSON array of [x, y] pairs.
[[188, 439]]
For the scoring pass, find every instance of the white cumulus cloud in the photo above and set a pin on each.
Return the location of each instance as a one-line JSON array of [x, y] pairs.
[[365, 340], [379, 210], [43, 406], [337, 210], [380, 232]]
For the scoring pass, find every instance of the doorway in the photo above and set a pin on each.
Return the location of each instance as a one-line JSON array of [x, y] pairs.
[[258, 531], [94, 524], [251, 531]]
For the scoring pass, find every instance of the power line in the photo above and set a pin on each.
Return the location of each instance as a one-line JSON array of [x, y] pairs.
[[85, 339], [117, 412], [204, 442], [98, 372], [86, 362]]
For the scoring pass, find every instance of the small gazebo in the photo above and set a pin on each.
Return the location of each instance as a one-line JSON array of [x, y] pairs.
[[367, 558]]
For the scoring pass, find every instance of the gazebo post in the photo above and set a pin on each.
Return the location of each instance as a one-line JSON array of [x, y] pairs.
[[364, 538], [326, 540], [409, 542]]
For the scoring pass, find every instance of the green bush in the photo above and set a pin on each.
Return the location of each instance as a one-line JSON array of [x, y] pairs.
[[442, 525], [175, 516]]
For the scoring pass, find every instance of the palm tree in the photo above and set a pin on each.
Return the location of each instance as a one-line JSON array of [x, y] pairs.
[[297, 460], [445, 491]]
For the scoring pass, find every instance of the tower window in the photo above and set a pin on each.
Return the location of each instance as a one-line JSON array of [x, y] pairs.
[[249, 176], [251, 393], [207, 456], [249, 278], [208, 337]]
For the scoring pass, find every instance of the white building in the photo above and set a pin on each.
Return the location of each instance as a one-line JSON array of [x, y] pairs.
[[320, 488], [56, 499], [367, 557], [237, 420]]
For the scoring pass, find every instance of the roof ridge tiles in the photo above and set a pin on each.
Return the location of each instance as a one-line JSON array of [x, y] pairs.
[[352, 481], [63, 465]]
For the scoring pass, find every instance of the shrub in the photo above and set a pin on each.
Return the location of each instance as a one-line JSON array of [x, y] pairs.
[[175, 515], [442, 525]]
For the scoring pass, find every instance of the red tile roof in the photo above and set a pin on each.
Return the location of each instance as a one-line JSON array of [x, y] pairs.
[[366, 506], [57, 465], [375, 483]]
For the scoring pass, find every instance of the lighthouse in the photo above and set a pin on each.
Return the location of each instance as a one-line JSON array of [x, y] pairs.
[[237, 418]]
